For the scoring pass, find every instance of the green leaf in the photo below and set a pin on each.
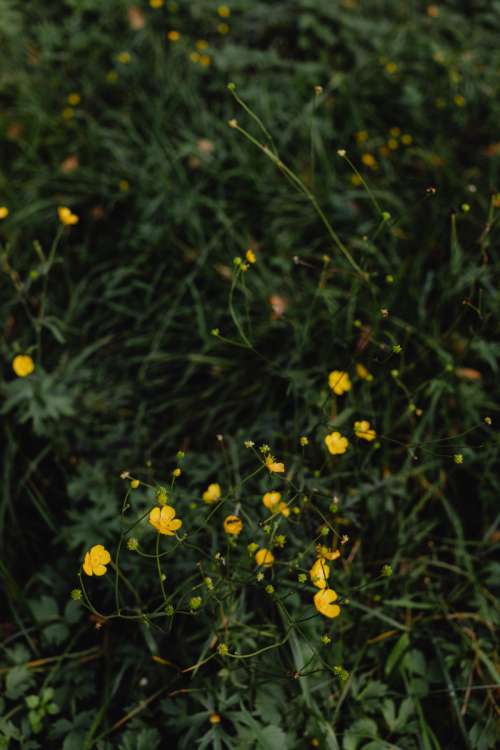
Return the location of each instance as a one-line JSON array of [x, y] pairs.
[[397, 652], [18, 680]]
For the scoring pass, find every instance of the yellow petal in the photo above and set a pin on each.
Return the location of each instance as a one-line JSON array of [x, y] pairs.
[[167, 513], [87, 566], [100, 570]]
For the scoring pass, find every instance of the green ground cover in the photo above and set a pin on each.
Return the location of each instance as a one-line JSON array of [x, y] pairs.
[[353, 148]]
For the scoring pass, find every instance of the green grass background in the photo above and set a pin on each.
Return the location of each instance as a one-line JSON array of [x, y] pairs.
[[119, 323]]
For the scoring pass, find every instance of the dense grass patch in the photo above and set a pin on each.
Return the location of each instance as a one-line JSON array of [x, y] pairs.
[[355, 153]]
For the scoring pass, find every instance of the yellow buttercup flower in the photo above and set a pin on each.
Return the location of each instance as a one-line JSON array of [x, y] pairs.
[[96, 560], [212, 493], [284, 509], [156, 3], [339, 382], [74, 99], [319, 573], [273, 465], [224, 11], [336, 443], [4, 212], [66, 216], [164, 521], [362, 372], [23, 365], [173, 36], [250, 256], [233, 525], [264, 557], [271, 500], [364, 431], [124, 57], [327, 554], [324, 603]]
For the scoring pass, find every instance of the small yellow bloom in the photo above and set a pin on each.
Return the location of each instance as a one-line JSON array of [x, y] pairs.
[[205, 60], [134, 484], [319, 573], [23, 365], [195, 57], [96, 560], [364, 431], [362, 372], [339, 382], [356, 179], [324, 603], [233, 525], [250, 256], [264, 557], [68, 113], [392, 144], [459, 100], [201, 44], [271, 500], [173, 36], [324, 553], [224, 11], [66, 216], [284, 509], [164, 521], [212, 493], [214, 718], [336, 443], [391, 68], [74, 99], [274, 466], [304, 441], [361, 136], [4, 212], [369, 161], [223, 28], [124, 58], [407, 139], [156, 3], [177, 472]]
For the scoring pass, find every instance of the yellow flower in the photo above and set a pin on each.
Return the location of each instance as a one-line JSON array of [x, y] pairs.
[[391, 68], [224, 11], [68, 113], [250, 256], [323, 601], [271, 500], [223, 28], [304, 441], [164, 521], [96, 560], [327, 554], [369, 161], [284, 509], [361, 136], [205, 60], [407, 139], [364, 431], [319, 573], [264, 557], [233, 525], [173, 36], [123, 185], [156, 3], [212, 493], [274, 466], [66, 216], [74, 99], [201, 44], [339, 382], [124, 58], [336, 443], [4, 212], [214, 718], [362, 372], [23, 365]]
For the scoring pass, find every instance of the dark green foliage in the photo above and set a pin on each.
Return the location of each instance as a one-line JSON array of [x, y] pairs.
[[118, 312]]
